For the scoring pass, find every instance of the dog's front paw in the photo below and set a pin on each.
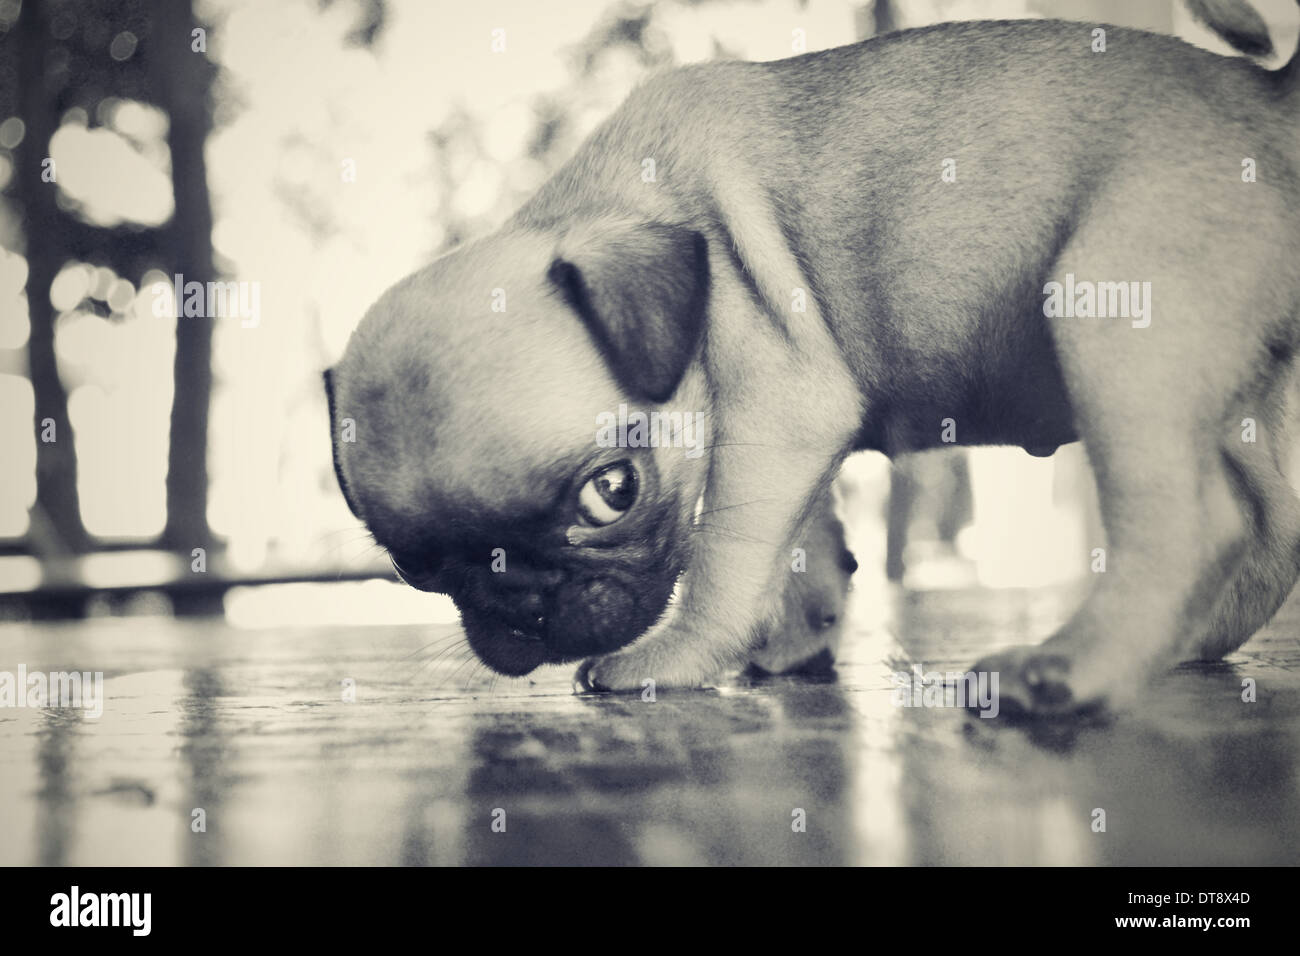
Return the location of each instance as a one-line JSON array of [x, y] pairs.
[[584, 682], [636, 669], [605, 674], [614, 672], [1035, 683]]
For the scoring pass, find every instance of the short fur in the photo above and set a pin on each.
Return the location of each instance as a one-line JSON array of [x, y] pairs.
[[817, 181]]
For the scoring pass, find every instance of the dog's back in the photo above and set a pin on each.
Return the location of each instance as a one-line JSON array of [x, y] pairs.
[[1035, 123]]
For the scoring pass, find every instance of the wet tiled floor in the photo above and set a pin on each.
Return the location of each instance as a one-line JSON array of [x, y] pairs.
[[251, 728]]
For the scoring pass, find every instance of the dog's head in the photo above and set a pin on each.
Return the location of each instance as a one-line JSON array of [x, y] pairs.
[[523, 426]]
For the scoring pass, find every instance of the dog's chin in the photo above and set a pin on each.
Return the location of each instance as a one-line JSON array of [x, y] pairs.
[[513, 652], [508, 651], [572, 634], [586, 616]]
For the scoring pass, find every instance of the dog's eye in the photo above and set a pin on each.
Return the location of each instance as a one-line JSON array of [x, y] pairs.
[[608, 494]]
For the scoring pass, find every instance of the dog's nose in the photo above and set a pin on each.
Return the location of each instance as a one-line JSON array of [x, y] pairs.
[[524, 613], [819, 619], [531, 603]]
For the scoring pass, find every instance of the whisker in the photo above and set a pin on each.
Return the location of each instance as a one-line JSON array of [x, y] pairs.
[[743, 504], [437, 640], [473, 671], [469, 658], [432, 662], [442, 683], [330, 542], [727, 533]]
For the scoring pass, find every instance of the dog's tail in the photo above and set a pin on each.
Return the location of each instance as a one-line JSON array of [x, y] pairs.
[[1239, 25]]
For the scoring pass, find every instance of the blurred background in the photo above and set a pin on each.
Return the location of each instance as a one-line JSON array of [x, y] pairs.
[[318, 150]]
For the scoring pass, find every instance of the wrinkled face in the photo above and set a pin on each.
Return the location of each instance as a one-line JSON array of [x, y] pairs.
[[587, 568], [477, 446]]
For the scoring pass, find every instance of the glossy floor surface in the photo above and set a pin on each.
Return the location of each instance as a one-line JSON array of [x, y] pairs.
[[431, 764]]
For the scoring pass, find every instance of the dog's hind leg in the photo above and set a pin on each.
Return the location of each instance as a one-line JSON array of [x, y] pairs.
[[1179, 532], [1256, 454]]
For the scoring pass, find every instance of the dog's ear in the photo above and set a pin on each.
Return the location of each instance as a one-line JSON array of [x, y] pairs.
[[334, 443], [1236, 22], [642, 291]]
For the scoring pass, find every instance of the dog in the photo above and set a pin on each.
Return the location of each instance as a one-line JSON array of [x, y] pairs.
[[1024, 233]]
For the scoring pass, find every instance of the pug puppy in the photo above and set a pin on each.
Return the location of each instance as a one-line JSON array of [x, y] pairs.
[[980, 233]]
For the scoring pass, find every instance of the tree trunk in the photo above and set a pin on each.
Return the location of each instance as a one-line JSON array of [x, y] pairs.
[[56, 519], [182, 80]]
